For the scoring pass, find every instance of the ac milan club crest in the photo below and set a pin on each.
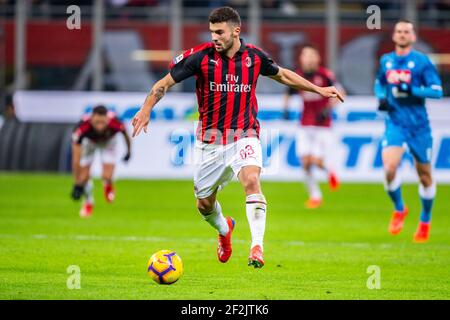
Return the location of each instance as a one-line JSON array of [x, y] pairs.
[[248, 62]]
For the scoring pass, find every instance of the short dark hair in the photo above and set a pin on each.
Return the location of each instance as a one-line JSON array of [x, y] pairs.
[[225, 14], [404, 21], [100, 110]]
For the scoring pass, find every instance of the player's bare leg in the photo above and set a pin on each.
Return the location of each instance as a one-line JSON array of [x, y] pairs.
[[392, 157], [86, 181], [107, 177], [311, 184], [212, 213], [256, 207], [333, 180], [427, 192]]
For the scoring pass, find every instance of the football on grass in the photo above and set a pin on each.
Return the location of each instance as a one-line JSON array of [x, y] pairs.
[[165, 267]]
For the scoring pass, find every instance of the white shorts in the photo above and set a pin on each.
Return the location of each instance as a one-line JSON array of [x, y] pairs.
[[313, 141], [216, 165], [107, 151]]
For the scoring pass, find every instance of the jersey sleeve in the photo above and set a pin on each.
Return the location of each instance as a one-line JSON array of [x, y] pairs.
[[431, 85], [268, 66], [379, 87], [430, 76], [185, 65], [380, 76], [79, 133], [117, 125]]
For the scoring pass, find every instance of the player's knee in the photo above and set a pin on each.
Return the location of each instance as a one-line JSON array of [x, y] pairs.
[[318, 162], [205, 206], [306, 165], [390, 169], [425, 179], [251, 183], [107, 179]]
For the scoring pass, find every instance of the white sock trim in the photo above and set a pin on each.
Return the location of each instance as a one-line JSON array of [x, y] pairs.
[[427, 193], [394, 184], [256, 198]]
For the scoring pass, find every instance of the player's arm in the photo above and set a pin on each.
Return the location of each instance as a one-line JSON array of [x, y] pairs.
[[142, 118], [78, 188], [432, 87], [128, 143], [76, 157], [293, 80], [380, 88], [77, 138], [433, 92]]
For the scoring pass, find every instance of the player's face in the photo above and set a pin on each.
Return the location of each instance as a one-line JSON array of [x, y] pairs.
[[309, 59], [404, 35], [223, 35], [99, 122]]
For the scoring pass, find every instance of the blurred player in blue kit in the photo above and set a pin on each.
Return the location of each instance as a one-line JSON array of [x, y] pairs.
[[405, 79]]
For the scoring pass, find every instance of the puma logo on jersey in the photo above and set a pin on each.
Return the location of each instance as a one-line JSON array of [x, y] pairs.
[[216, 62]]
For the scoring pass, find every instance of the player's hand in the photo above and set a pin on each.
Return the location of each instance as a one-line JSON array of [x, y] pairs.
[[140, 121], [330, 92], [77, 192], [286, 114], [383, 105], [127, 157]]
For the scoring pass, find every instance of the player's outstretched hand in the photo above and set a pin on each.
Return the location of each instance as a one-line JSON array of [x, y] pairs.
[[140, 121], [77, 192], [331, 92]]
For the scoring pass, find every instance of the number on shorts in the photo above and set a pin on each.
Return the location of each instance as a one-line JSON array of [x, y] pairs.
[[247, 152]]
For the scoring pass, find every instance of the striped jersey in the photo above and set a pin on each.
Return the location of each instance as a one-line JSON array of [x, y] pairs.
[[84, 129], [225, 89], [316, 109]]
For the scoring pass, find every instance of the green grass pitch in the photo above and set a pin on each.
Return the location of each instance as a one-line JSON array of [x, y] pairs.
[[319, 254]]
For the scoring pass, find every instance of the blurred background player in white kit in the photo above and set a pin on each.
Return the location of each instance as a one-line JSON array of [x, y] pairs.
[[314, 135], [96, 131]]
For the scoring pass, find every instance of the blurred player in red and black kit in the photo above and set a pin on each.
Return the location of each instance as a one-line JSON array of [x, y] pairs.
[[227, 145], [96, 132], [314, 136]]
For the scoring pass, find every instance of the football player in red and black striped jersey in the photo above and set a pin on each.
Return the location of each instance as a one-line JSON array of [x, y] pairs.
[[96, 132], [314, 137], [227, 144]]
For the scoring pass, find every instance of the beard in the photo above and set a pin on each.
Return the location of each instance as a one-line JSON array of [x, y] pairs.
[[225, 46], [404, 43]]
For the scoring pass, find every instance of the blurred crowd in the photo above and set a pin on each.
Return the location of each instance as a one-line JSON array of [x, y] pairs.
[[280, 4], [435, 12], [284, 7]]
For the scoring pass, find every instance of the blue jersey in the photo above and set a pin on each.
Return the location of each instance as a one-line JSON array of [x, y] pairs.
[[407, 109]]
